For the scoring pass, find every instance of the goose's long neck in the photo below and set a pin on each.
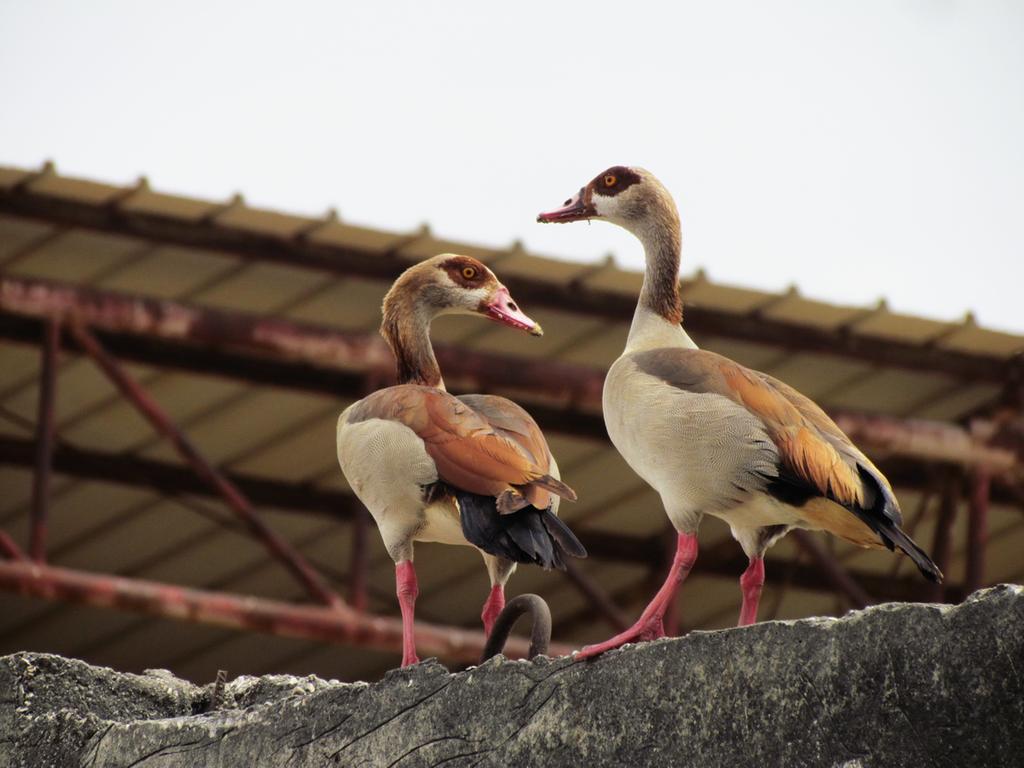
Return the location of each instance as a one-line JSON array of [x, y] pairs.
[[657, 321], [406, 329]]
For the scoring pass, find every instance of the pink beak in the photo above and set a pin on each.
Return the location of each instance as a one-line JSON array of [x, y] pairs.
[[504, 310], [576, 208]]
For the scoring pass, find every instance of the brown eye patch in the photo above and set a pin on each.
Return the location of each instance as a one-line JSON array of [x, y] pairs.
[[615, 180], [465, 271]]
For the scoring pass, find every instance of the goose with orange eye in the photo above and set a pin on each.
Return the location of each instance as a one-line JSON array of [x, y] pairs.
[[474, 289], [715, 438], [600, 198], [470, 470]]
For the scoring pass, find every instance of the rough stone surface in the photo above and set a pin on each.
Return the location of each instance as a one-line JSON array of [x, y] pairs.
[[895, 685]]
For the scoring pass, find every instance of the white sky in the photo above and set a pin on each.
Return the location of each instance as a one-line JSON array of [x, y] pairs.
[[857, 149]]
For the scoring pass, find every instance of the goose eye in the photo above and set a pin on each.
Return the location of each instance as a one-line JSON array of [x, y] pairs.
[[610, 180], [469, 272]]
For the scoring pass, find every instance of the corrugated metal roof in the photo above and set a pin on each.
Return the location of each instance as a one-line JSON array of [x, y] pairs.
[[288, 435]]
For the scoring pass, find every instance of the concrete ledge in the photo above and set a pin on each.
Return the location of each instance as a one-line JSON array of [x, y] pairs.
[[894, 685]]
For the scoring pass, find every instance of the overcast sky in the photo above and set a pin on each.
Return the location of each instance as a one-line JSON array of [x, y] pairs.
[[856, 149]]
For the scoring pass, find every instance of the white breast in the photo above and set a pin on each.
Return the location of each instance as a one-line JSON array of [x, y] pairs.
[[388, 467], [701, 452], [385, 463]]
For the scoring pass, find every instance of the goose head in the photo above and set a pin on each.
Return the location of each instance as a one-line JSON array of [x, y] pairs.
[[636, 201], [453, 284], [629, 197]]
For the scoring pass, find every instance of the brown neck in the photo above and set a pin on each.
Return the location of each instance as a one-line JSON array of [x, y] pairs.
[[662, 247], [406, 329]]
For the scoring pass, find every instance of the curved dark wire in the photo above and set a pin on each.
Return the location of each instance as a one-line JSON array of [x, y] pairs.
[[540, 632]]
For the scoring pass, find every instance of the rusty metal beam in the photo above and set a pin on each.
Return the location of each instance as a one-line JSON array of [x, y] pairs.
[[931, 441], [977, 531], [942, 548], [44, 439], [562, 397], [306, 252], [583, 618], [234, 498], [599, 600], [173, 479], [359, 560], [832, 570], [266, 339], [245, 612], [116, 312], [9, 549], [911, 525], [787, 573]]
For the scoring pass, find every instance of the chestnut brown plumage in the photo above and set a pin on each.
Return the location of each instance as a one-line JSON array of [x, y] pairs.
[[472, 470], [714, 437]]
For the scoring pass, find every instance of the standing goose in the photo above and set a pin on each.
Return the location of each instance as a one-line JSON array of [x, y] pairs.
[[472, 470], [713, 437]]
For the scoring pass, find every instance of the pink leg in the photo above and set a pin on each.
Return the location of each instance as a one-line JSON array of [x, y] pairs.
[[650, 626], [408, 589], [750, 583], [492, 607]]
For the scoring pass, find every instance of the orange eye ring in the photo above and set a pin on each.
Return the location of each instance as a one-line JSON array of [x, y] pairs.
[[469, 272], [610, 180]]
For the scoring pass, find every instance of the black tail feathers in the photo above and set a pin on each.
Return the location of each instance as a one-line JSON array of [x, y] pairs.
[[528, 535], [884, 519], [894, 535], [561, 533]]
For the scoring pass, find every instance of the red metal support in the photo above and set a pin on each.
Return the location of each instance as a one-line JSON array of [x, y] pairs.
[[44, 439], [321, 347], [359, 562], [234, 498], [910, 528], [596, 596], [9, 549], [140, 472], [583, 618], [318, 358], [977, 531], [832, 570], [172, 478], [244, 612], [929, 441], [942, 548]]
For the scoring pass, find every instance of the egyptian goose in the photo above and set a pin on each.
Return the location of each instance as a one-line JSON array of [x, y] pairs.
[[472, 470], [713, 437]]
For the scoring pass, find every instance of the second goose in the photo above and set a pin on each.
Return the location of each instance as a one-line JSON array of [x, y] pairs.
[[473, 470], [713, 437]]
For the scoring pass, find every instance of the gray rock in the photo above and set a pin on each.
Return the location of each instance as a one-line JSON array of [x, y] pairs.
[[51, 706], [894, 685]]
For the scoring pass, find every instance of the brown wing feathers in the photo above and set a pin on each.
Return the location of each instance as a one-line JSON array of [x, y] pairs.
[[802, 447], [812, 446], [796, 432], [493, 458], [512, 422], [816, 458], [469, 452]]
